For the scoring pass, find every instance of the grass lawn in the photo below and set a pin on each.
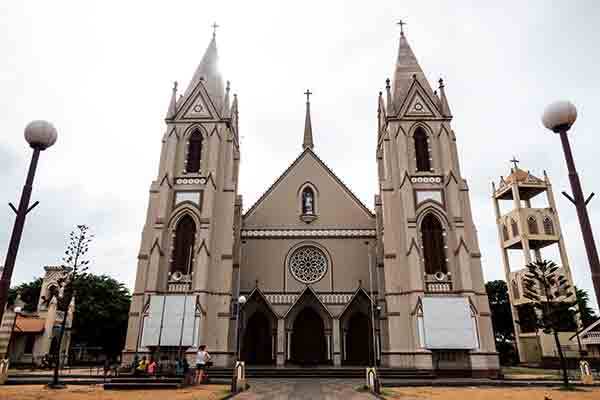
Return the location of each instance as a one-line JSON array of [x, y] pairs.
[[476, 393], [96, 392]]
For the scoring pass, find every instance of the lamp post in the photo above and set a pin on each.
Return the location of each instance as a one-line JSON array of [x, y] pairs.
[[17, 310], [559, 117], [240, 302], [40, 135]]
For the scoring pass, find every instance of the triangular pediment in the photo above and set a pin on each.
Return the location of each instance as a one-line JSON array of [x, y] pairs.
[[418, 103], [198, 105], [335, 204]]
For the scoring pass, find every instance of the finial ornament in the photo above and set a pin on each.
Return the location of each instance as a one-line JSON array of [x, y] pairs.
[[387, 83], [214, 26], [308, 93], [401, 23], [175, 86], [515, 161], [441, 82]]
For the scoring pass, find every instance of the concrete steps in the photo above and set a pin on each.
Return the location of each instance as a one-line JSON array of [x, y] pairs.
[[130, 383], [320, 372]]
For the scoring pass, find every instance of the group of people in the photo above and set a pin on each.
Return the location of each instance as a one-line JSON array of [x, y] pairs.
[[150, 367]]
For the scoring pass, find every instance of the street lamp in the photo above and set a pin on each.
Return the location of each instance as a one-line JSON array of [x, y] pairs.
[[17, 311], [241, 302], [234, 378], [40, 135], [559, 117]]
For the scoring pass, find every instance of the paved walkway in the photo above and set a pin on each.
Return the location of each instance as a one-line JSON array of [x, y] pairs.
[[303, 389]]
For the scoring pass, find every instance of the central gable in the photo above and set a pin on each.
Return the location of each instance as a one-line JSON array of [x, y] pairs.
[[335, 205]]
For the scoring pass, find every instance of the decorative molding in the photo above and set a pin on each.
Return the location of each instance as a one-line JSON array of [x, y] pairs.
[[426, 179], [322, 233], [191, 181], [290, 298]]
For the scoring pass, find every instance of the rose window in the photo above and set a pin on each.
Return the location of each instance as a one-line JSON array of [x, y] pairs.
[[308, 264]]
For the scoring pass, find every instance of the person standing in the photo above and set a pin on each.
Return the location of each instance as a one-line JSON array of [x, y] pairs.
[[202, 358]]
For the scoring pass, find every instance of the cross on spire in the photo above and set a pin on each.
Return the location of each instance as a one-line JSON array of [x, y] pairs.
[[308, 93], [401, 23], [214, 26], [515, 161]]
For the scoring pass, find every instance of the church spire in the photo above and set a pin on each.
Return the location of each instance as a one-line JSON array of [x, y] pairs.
[[208, 72], [173, 103], [406, 68], [444, 107], [308, 136]]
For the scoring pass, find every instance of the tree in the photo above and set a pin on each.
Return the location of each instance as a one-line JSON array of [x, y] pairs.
[[73, 269], [550, 295], [102, 314], [502, 322], [29, 292], [585, 311]]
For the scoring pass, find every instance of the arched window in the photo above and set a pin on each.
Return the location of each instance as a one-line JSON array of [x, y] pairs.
[[504, 232], [194, 153], [183, 249], [422, 150], [308, 201], [532, 225], [514, 227], [548, 226], [515, 289], [432, 235]]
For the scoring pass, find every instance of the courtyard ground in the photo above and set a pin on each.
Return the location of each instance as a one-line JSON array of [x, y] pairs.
[[96, 392], [483, 393]]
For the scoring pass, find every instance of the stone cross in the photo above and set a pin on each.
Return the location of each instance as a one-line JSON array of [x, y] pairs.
[[214, 26], [401, 23], [308, 93], [515, 161]]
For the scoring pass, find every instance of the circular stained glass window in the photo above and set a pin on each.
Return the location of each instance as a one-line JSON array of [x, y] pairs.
[[308, 264]]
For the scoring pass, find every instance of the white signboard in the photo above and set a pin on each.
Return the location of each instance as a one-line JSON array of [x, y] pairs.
[[171, 321], [448, 323]]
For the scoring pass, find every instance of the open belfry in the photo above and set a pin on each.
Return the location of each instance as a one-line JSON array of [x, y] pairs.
[[328, 280], [528, 230]]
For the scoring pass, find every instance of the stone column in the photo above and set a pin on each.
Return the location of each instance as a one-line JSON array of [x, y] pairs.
[[281, 354], [337, 352]]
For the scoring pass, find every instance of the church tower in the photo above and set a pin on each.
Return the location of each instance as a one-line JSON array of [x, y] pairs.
[[525, 229], [183, 286], [428, 249]]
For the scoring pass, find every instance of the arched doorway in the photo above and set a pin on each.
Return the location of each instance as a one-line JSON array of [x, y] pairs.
[[257, 345], [359, 340], [308, 338]]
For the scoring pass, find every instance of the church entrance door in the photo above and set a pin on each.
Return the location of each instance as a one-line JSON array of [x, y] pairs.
[[359, 340], [256, 348], [308, 338]]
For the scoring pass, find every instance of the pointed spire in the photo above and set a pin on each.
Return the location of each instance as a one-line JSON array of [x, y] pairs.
[[407, 67], [444, 107], [173, 104], [388, 90], [209, 73], [308, 136], [226, 105]]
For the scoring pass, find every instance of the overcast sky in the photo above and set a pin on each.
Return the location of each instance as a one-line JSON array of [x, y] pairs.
[[102, 73]]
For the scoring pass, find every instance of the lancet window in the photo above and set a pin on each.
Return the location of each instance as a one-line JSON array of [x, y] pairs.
[[505, 232], [183, 246], [532, 225], [432, 234], [194, 152], [422, 150], [514, 227], [548, 226]]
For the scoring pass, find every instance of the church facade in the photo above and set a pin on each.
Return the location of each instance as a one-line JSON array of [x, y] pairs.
[[327, 280]]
